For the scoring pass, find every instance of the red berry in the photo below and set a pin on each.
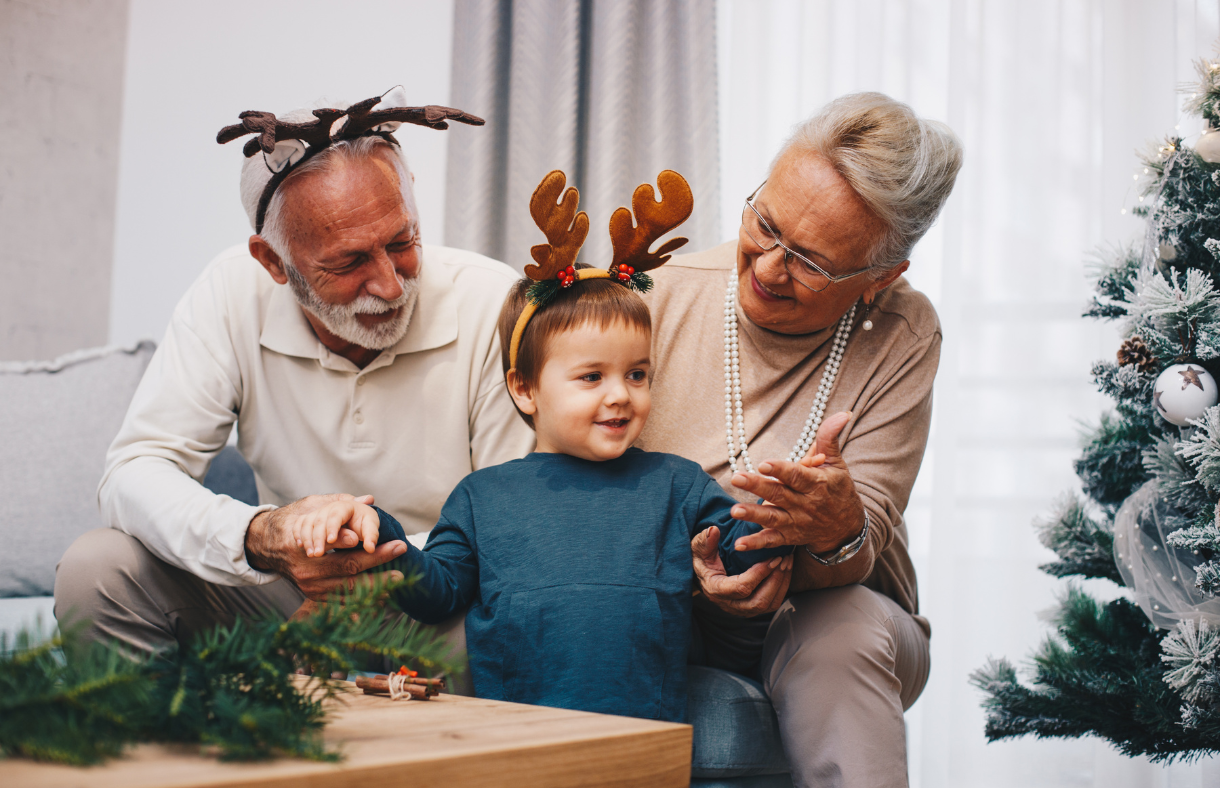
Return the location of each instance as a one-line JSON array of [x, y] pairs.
[[623, 276], [630, 270], [561, 275], [571, 270]]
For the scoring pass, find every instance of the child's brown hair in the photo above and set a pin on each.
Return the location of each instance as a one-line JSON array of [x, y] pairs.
[[600, 302]]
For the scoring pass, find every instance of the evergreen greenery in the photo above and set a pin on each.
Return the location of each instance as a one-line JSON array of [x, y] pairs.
[[1108, 670], [235, 689]]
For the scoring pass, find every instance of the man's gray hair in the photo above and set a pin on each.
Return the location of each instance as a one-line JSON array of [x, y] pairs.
[[254, 177], [902, 166]]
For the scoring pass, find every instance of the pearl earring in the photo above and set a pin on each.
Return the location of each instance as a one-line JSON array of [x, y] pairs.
[[867, 325]]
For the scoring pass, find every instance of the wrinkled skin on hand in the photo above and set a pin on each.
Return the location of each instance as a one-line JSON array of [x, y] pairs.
[[810, 503], [271, 547]]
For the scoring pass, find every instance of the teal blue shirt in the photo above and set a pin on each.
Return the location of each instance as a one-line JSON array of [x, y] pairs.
[[577, 576]]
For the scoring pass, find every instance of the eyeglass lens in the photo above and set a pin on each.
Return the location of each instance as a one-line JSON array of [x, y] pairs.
[[798, 267]]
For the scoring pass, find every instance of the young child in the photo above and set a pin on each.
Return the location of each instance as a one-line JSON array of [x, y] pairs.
[[575, 561]]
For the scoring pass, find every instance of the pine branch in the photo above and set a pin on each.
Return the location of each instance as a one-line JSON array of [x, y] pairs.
[[1202, 449], [1113, 271], [1176, 481], [235, 688], [1102, 676], [1111, 466], [1085, 546]]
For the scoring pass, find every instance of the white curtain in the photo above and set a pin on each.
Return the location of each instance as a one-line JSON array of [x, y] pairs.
[[610, 91], [1050, 99]]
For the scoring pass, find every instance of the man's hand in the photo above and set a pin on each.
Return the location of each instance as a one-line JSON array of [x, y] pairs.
[[812, 502], [271, 547], [760, 589]]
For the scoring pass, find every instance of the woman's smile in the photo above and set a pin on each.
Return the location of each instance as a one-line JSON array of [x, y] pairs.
[[762, 291]]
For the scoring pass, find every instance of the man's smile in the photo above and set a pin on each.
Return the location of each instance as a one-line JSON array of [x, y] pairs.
[[372, 318]]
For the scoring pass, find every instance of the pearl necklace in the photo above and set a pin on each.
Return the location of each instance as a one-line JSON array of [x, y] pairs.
[[732, 384]]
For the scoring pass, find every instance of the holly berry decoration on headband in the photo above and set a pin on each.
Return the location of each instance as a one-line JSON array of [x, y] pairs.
[[567, 277], [624, 272]]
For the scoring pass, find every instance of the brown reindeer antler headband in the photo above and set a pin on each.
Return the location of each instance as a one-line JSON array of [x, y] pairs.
[[285, 145], [566, 230]]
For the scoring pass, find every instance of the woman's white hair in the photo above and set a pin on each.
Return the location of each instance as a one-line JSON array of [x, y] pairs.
[[254, 177], [902, 166]]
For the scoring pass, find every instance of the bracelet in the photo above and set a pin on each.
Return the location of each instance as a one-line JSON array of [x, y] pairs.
[[847, 551]]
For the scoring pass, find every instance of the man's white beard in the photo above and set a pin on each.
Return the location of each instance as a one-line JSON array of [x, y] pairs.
[[340, 319]]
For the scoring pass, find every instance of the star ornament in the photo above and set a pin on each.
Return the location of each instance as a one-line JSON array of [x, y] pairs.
[[1156, 401], [1190, 377]]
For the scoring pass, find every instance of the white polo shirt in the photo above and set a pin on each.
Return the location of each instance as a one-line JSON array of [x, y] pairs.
[[238, 350]]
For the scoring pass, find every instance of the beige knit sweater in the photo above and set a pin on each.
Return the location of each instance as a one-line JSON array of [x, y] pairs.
[[885, 380]]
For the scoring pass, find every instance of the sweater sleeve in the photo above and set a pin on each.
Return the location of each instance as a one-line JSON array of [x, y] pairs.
[[443, 578], [712, 507]]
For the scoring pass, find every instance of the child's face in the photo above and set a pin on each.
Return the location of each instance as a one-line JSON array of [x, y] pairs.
[[592, 397]]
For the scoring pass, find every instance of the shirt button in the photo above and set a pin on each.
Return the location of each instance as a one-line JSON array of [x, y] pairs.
[[359, 417], [359, 381]]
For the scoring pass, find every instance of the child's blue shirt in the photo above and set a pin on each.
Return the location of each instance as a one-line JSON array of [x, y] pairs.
[[578, 577]]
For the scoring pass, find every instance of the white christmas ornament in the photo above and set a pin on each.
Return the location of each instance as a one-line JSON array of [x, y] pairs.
[[1183, 392], [1208, 146]]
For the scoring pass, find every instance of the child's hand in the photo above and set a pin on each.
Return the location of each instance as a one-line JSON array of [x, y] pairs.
[[320, 528]]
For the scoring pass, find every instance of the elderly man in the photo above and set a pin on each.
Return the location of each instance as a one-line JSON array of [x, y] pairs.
[[350, 358]]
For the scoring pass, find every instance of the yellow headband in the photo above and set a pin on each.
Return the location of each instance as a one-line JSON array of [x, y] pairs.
[[531, 307]]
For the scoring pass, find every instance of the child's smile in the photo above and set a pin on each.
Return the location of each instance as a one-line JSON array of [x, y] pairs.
[[592, 397]]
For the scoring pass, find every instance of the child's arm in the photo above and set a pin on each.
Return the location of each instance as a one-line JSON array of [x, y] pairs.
[[442, 579], [714, 508]]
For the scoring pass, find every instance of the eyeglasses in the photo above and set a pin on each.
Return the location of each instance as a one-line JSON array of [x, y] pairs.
[[799, 267]]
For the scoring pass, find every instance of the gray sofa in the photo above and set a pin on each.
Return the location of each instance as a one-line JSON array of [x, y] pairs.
[[58, 418]]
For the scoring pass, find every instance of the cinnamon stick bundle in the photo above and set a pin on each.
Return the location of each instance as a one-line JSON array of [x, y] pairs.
[[380, 685]]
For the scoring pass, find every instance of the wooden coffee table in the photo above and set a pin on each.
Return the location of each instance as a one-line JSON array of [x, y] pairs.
[[445, 742]]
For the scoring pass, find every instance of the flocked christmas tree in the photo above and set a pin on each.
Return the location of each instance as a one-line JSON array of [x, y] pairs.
[[1144, 670]]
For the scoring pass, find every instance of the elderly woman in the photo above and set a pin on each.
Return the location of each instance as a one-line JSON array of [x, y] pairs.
[[806, 314]]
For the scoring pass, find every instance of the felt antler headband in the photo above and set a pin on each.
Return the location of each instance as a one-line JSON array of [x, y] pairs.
[[285, 145], [566, 230]]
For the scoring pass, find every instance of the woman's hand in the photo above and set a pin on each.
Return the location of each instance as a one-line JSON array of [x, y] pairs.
[[812, 502], [760, 589]]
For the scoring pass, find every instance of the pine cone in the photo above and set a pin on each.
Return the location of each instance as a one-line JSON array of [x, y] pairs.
[[1134, 351]]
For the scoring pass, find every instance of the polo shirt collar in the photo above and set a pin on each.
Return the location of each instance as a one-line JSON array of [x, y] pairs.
[[434, 323]]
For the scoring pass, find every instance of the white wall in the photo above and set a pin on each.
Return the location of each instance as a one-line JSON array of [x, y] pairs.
[[61, 80], [192, 67]]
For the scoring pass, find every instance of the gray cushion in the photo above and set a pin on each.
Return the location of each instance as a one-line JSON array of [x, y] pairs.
[[57, 419], [230, 475], [736, 731]]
